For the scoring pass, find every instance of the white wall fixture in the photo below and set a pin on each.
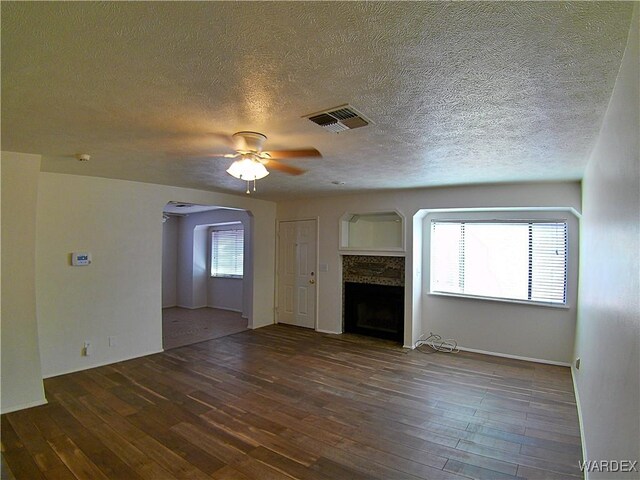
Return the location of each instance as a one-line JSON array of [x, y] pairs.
[[80, 259]]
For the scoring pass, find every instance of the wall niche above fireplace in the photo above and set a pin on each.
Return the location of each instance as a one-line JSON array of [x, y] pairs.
[[376, 232]]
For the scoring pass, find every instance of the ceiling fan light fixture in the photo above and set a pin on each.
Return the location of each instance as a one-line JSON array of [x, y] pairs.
[[251, 159], [248, 169]]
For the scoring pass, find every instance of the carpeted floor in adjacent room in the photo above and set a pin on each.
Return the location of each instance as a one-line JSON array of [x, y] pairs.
[[183, 326]]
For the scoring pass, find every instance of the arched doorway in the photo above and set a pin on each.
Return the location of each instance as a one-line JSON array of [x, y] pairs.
[[207, 272]]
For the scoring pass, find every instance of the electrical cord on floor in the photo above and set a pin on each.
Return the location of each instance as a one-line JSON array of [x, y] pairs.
[[437, 344]]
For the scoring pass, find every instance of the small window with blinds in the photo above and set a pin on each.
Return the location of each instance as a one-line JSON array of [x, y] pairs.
[[227, 252], [519, 260]]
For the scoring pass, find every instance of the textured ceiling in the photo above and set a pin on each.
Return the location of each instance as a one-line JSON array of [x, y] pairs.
[[458, 93]]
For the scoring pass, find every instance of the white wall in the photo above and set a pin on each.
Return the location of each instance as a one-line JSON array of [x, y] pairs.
[[608, 330], [169, 261], [226, 293], [199, 270], [21, 374], [529, 331], [408, 203], [120, 223], [196, 288]]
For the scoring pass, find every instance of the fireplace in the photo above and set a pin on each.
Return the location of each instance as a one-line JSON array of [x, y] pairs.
[[374, 310], [373, 296]]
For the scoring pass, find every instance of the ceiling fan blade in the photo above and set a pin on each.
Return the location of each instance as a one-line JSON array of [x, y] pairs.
[[307, 152], [223, 138], [281, 167], [223, 155]]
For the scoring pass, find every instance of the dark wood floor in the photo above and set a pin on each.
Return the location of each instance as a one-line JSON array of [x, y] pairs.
[[284, 402]]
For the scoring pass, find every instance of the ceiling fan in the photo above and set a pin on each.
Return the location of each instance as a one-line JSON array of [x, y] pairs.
[[252, 161]]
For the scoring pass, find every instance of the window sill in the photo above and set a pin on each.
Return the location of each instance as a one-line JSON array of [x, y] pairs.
[[238, 277], [502, 300]]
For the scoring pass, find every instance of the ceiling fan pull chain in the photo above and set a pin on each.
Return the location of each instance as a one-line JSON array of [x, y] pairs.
[[248, 192], [254, 184]]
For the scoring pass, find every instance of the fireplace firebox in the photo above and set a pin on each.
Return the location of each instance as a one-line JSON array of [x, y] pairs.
[[374, 310]]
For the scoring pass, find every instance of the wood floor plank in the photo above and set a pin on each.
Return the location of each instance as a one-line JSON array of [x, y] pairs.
[[356, 462], [35, 443], [559, 437], [76, 461], [335, 470], [21, 464], [112, 418], [542, 474], [132, 456], [10, 439], [283, 402], [255, 469], [217, 443], [91, 448], [5, 471], [520, 459], [161, 432], [286, 465], [474, 471], [169, 460], [229, 473]]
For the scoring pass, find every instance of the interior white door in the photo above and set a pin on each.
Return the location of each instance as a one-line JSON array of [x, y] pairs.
[[297, 278]]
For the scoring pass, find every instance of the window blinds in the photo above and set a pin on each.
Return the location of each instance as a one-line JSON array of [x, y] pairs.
[[227, 252], [548, 262], [514, 260]]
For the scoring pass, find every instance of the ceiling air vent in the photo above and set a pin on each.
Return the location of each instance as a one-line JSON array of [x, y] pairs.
[[339, 119]]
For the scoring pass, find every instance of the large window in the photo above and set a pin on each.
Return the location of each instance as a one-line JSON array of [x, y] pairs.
[[227, 252], [510, 260]]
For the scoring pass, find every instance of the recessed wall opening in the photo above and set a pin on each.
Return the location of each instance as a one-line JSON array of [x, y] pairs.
[[207, 272]]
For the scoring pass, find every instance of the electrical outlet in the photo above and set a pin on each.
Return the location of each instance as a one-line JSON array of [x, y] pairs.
[[578, 363], [112, 341], [87, 350]]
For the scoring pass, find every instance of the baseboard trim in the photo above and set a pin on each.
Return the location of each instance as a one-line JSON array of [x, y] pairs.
[[331, 332], [225, 308], [191, 308], [169, 306], [580, 423], [102, 364], [22, 406], [515, 357]]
